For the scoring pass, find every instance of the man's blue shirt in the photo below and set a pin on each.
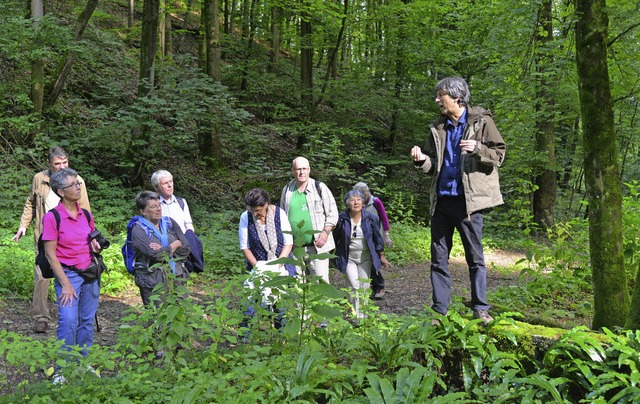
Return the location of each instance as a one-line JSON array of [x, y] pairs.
[[450, 182]]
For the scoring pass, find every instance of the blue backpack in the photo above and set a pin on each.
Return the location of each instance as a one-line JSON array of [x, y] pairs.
[[127, 248]]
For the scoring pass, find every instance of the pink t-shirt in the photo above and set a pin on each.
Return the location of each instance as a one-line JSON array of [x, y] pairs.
[[73, 247]]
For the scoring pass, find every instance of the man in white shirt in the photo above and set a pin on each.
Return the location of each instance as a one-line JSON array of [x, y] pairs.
[[173, 206]]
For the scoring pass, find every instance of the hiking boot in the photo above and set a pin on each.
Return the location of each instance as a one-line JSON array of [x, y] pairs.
[[379, 294], [41, 326], [483, 315]]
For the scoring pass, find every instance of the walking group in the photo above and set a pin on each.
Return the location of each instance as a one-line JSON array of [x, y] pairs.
[[462, 154]]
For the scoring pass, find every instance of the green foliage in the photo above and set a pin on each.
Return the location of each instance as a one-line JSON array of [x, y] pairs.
[[631, 231], [386, 358]]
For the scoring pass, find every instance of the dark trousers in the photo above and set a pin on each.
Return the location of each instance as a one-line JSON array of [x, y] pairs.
[[377, 281], [451, 214]]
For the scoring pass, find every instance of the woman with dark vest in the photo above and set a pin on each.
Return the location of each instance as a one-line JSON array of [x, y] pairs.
[[262, 236]]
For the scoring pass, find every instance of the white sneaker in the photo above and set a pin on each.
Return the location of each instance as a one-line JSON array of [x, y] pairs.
[[59, 379]]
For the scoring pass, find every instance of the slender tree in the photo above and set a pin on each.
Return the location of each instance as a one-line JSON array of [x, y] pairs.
[[276, 35], [306, 57], [148, 45], [37, 64], [54, 88], [545, 180], [212, 38], [602, 174], [131, 12]]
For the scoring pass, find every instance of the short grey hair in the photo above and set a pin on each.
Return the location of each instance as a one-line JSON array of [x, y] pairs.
[[364, 188], [58, 179], [143, 198], [158, 175], [57, 151], [351, 194], [456, 87]]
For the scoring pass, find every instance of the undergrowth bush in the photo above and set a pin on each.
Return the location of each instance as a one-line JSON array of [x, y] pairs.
[[385, 359]]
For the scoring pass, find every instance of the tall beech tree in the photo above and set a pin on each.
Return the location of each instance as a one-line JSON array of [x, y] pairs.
[[545, 180], [602, 174], [135, 152], [37, 64]]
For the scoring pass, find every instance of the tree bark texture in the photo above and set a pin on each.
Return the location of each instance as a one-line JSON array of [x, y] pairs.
[[633, 320], [63, 70], [306, 61], [148, 46], [545, 194], [37, 64], [130, 14], [610, 293], [212, 38], [276, 36]]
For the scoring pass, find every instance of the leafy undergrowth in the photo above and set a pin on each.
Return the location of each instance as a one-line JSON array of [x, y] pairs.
[[559, 298], [209, 357]]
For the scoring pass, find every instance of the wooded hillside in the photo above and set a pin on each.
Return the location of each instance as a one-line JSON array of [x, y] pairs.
[[224, 94]]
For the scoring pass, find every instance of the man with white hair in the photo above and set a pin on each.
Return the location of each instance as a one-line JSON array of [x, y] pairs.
[[310, 205], [176, 208], [173, 206]]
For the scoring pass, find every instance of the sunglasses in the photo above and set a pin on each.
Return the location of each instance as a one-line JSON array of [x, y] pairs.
[[355, 227]]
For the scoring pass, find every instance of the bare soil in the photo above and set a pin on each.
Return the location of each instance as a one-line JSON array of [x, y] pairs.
[[408, 289]]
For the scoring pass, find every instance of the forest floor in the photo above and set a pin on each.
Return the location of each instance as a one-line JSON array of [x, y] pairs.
[[408, 289]]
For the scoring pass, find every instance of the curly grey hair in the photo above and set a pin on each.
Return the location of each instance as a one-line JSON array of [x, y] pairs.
[[58, 179]]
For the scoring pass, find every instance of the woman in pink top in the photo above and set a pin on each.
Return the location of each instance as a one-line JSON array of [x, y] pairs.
[[68, 248]]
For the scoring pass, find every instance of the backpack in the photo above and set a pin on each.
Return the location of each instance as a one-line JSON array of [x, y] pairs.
[[195, 260], [41, 258], [127, 248]]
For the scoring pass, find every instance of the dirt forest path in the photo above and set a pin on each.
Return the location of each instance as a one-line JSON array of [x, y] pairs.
[[408, 289]]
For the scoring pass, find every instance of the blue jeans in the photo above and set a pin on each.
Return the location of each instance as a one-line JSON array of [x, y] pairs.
[[451, 214], [75, 322]]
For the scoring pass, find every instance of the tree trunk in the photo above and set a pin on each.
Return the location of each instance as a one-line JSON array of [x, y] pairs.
[[232, 16], [633, 321], [306, 60], [276, 39], [161, 28], [610, 292], [148, 46], [37, 64], [130, 14], [187, 15], [399, 80], [63, 70], [332, 63], [545, 180], [212, 38], [168, 36], [248, 29]]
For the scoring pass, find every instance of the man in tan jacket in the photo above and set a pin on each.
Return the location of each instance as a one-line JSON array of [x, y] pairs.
[[40, 201]]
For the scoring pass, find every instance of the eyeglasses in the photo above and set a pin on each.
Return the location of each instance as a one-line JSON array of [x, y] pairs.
[[355, 227], [154, 207], [76, 184]]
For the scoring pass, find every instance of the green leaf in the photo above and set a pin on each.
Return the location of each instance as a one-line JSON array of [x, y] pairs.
[[326, 311]]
